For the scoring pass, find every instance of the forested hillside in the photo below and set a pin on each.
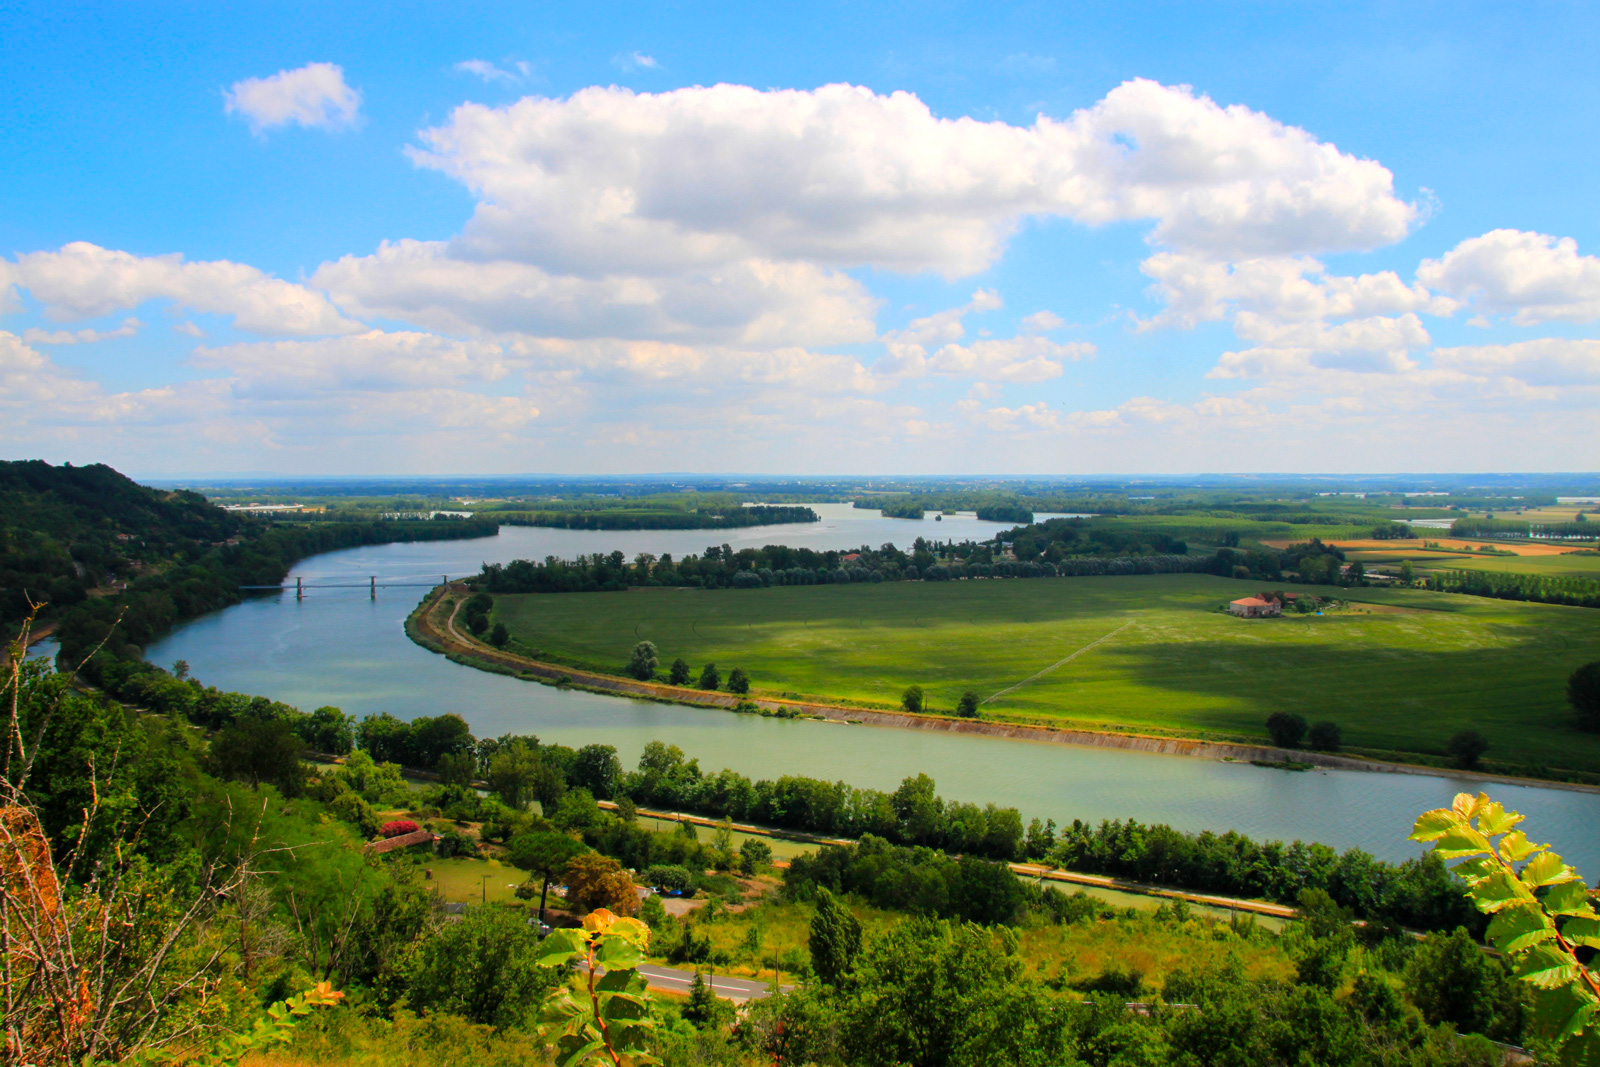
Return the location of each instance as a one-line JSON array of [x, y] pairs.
[[67, 531]]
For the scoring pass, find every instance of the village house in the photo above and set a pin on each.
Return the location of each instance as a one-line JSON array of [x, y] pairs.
[[1254, 607]]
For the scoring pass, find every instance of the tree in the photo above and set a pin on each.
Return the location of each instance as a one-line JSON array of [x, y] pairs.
[[1325, 737], [597, 769], [1408, 573], [499, 635], [1286, 729], [967, 706], [709, 678], [1583, 693], [835, 939], [515, 773], [438, 735], [919, 810], [1467, 747], [704, 1011], [596, 881], [543, 856], [484, 968], [642, 664], [457, 768], [329, 730], [911, 699], [259, 751], [1451, 980], [679, 674], [738, 681], [753, 855]]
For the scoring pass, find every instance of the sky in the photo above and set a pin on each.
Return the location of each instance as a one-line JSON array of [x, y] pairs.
[[407, 238]]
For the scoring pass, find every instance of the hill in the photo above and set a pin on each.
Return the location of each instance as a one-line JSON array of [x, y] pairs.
[[68, 533]]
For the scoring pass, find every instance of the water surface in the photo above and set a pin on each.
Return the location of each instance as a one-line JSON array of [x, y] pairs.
[[341, 647]]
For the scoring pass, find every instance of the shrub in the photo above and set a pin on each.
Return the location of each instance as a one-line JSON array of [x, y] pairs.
[[679, 674], [668, 878], [967, 706], [1583, 693], [642, 665], [1467, 747], [499, 635], [912, 699], [1286, 729], [738, 681], [396, 827], [1325, 737], [710, 677]]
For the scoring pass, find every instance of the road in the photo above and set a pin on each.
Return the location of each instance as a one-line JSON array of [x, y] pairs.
[[738, 990]]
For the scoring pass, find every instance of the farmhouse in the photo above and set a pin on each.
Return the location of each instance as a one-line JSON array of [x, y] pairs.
[[1254, 607]]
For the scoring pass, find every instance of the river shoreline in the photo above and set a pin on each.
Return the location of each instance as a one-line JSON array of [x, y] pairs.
[[426, 628]]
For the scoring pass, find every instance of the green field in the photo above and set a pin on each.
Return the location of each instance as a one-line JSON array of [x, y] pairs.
[[1401, 672], [1569, 565]]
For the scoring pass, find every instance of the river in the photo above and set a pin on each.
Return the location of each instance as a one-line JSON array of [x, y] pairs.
[[345, 648]]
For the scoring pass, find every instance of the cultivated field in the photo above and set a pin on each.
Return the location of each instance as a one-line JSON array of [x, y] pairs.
[[1402, 672]]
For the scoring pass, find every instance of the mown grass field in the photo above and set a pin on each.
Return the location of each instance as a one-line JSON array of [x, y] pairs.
[[1402, 671]]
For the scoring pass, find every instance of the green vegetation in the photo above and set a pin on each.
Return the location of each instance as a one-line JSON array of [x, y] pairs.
[[1399, 671], [661, 518]]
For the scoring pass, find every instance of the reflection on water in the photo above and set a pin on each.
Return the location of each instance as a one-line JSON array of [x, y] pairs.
[[340, 647]]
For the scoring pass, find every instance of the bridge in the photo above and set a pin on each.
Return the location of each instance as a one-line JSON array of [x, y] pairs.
[[302, 586]]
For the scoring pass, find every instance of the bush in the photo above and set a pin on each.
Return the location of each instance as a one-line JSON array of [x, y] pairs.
[[753, 855], [738, 681], [967, 706], [912, 699], [499, 635], [1467, 747], [642, 664], [1325, 737], [484, 967], [710, 678], [396, 827], [1583, 693], [679, 674], [668, 878], [1286, 729]]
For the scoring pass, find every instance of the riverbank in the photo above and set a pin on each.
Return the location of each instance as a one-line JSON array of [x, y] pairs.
[[432, 625]]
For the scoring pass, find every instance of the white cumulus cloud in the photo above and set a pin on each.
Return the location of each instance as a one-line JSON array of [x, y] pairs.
[[314, 95], [84, 281], [610, 179], [1531, 276]]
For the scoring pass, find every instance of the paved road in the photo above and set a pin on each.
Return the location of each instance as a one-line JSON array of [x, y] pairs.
[[738, 990]]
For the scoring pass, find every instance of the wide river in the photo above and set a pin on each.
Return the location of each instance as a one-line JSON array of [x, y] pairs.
[[342, 647]]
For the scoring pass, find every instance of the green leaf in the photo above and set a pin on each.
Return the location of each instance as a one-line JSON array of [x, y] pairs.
[[617, 953], [1546, 967], [1515, 847], [621, 1007], [1563, 1010], [1476, 869], [616, 981], [1583, 930], [572, 1050], [1495, 819], [1568, 898], [558, 948], [1461, 841], [1431, 824], [1515, 929], [1547, 868], [1499, 890]]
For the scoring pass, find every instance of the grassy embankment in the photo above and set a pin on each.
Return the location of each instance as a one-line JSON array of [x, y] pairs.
[[1401, 671]]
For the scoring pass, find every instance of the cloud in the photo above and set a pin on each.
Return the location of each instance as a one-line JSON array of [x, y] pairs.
[[314, 95], [1299, 289], [636, 61], [609, 179], [1532, 276], [1550, 361], [489, 72], [83, 281], [369, 362], [1042, 322], [37, 336], [188, 329], [753, 301]]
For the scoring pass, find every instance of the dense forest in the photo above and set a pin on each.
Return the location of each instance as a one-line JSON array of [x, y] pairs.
[[660, 518]]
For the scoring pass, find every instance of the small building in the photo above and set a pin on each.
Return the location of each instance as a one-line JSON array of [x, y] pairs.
[[389, 844], [1254, 607]]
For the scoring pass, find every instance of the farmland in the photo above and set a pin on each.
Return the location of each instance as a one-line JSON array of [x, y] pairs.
[[1400, 671]]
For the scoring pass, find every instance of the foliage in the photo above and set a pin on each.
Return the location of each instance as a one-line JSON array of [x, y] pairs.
[[709, 677], [835, 940], [1542, 921], [1286, 728], [1466, 747], [738, 681], [912, 699], [276, 1028], [259, 751], [967, 706], [396, 827], [916, 880], [642, 664], [483, 968], [1325, 736], [599, 882], [611, 1020], [1583, 693], [679, 674], [1540, 588]]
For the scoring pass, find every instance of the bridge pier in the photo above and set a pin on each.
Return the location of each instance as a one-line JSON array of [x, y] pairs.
[[374, 587], [299, 594]]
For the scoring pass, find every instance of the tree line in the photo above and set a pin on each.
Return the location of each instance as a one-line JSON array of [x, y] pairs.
[[662, 518], [1538, 588]]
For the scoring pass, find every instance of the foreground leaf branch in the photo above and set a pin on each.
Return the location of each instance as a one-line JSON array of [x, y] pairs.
[[612, 1022], [1541, 908]]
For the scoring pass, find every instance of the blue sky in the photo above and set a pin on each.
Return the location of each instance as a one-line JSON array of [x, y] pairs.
[[520, 238]]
